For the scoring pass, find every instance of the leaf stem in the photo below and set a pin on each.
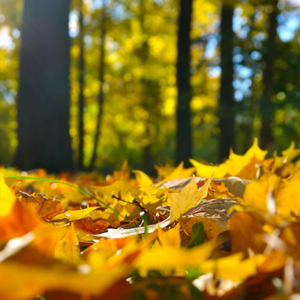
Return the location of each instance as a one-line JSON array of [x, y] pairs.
[[142, 214]]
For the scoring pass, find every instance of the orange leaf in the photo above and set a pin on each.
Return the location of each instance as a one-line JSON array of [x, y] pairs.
[[274, 261], [258, 194], [107, 247], [91, 226], [44, 207], [67, 249], [242, 227], [19, 222]]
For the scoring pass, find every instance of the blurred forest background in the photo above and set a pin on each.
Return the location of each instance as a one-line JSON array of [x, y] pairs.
[[173, 80]]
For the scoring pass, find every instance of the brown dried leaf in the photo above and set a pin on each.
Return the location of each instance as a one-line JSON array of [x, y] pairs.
[[212, 213], [213, 224], [44, 207], [91, 226], [235, 185]]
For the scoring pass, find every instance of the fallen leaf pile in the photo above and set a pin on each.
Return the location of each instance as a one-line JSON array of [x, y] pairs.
[[231, 232]]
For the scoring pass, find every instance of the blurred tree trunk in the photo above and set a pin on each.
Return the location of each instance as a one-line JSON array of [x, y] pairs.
[[226, 102], [44, 93], [146, 94], [183, 113], [101, 92], [267, 111], [147, 155], [81, 100]]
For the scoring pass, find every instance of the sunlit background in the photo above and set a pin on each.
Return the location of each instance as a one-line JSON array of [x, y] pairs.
[[141, 94]]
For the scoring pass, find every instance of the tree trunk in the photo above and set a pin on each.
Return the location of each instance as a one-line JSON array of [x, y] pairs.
[[44, 92], [147, 154], [101, 93], [266, 138], [146, 93], [81, 87], [183, 114], [226, 102]]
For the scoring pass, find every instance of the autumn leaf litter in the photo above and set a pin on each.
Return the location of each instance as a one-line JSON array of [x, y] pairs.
[[232, 230]]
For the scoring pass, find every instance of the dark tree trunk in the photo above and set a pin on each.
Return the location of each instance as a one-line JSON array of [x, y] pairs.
[[226, 102], [101, 92], [147, 154], [81, 96], [44, 93], [147, 92], [266, 138], [184, 129]]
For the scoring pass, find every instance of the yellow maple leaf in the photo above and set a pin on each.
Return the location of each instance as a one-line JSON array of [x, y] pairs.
[[121, 186], [220, 191], [189, 197], [122, 173], [7, 199], [245, 166], [168, 259], [202, 170], [243, 227], [259, 192], [242, 166], [153, 194], [99, 214], [169, 237], [72, 215], [142, 178], [287, 156], [67, 249], [164, 171], [179, 172], [287, 197], [233, 267]]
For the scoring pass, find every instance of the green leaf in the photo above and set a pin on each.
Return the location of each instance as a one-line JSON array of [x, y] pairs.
[[197, 235], [195, 293], [192, 273], [145, 224]]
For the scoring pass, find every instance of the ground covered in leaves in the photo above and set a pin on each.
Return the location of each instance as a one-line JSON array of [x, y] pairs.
[[209, 232]]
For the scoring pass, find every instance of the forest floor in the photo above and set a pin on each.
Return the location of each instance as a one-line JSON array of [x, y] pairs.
[[209, 232]]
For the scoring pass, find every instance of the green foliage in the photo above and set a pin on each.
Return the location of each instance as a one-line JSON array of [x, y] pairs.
[[157, 284], [197, 235], [140, 80]]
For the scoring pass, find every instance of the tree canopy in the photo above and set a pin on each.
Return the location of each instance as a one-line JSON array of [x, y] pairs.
[[139, 85]]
